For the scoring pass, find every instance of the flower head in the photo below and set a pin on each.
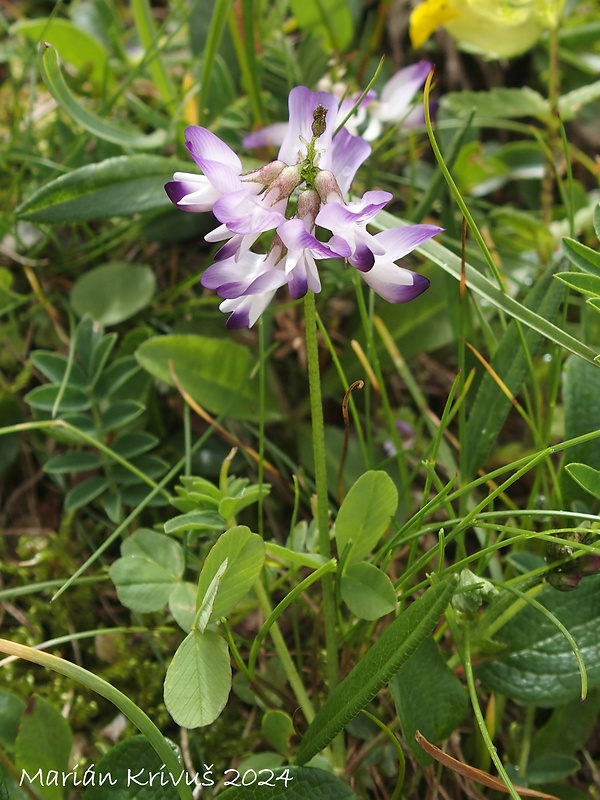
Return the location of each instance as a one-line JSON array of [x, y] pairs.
[[312, 175]]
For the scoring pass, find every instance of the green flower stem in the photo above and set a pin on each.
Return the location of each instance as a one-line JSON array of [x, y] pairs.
[[320, 465], [284, 656], [133, 713]]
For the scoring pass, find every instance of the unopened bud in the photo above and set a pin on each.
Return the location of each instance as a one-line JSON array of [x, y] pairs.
[[308, 207], [285, 183], [327, 186], [265, 175], [318, 126]]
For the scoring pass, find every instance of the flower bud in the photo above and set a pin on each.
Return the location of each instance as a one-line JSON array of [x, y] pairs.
[[327, 187], [308, 207], [285, 183], [265, 175]]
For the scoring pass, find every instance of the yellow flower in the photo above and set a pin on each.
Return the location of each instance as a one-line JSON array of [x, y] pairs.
[[495, 28]]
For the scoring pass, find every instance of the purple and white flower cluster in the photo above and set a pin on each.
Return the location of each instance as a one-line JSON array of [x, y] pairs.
[[310, 180]]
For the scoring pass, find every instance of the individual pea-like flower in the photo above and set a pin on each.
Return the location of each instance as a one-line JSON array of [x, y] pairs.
[[494, 28], [310, 179]]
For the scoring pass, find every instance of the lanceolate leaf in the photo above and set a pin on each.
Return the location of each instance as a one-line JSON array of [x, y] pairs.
[[119, 186], [96, 125], [395, 646]]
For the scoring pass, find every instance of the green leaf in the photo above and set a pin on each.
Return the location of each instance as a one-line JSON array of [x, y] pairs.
[[511, 363], [541, 668], [151, 566], [429, 698], [129, 445], [245, 554], [278, 728], [292, 783], [368, 592], [398, 642], [581, 256], [551, 768], [53, 366], [581, 281], [72, 462], [230, 506], [85, 492], [116, 375], [182, 604], [100, 355], [130, 764], [96, 125], [570, 103], [332, 19], [568, 728], [496, 102], [121, 414], [80, 49], [116, 187], [365, 514], [581, 389], [196, 521], [198, 680], [43, 744], [11, 710], [215, 372], [72, 398], [112, 293], [586, 476], [205, 608]]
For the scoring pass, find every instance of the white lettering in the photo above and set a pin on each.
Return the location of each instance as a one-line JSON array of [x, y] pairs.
[[39, 775]]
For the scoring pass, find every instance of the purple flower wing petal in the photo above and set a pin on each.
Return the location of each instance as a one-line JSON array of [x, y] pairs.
[[398, 242], [204, 145], [348, 153], [399, 91]]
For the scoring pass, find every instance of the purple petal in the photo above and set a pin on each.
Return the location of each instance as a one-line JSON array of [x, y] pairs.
[[266, 137], [335, 216], [245, 310], [362, 258], [192, 195], [302, 104], [204, 145], [244, 213], [348, 153], [221, 176], [399, 91], [398, 242], [395, 284], [267, 282]]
